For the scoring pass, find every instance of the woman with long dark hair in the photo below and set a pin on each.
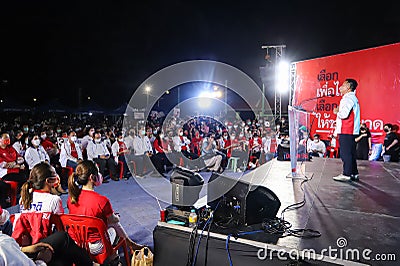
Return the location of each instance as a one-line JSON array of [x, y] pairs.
[[83, 200], [37, 206]]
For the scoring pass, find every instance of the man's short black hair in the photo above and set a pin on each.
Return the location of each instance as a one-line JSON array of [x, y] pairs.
[[390, 126], [353, 84]]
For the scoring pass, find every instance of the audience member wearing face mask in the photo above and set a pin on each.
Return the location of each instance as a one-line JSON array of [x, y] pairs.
[[35, 153], [98, 153], [83, 200], [12, 168]]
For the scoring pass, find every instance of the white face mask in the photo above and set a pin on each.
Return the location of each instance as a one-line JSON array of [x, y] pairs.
[[97, 180], [43, 136], [180, 133], [235, 126], [161, 136], [232, 137], [36, 142], [73, 138], [225, 137], [143, 132], [120, 139], [316, 140], [97, 140], [241, 135]]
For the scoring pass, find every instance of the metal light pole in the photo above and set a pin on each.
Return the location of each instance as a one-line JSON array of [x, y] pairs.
[[279, 51]]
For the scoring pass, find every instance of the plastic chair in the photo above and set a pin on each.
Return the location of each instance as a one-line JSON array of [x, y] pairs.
[[67, 171], [232, 162], [13, 191], [78, 227]]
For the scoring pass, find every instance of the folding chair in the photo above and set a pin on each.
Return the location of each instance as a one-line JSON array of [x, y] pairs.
[[79, 227], [13, 191]]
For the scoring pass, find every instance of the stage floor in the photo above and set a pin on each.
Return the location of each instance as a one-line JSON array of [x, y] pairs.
[[364, 215], [354, 217]]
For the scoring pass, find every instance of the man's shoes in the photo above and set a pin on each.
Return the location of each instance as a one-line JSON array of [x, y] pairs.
[[355, 178], [342, 177]]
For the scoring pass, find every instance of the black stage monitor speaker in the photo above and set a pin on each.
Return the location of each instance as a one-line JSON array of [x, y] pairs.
[[244, 204], [186, 186]]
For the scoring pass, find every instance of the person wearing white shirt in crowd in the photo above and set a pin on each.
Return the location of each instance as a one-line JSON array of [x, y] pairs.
[[143, 151], [119, 150], [129, 139], [71, 153], [209, 152], [181, 145], [98, 152], [87, 138], [316, 147], [35, 152], [19, 144]]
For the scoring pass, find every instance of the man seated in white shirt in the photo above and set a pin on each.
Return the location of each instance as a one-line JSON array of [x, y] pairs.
[[143, 151], [317, 147], [209, 153], [98, 152]]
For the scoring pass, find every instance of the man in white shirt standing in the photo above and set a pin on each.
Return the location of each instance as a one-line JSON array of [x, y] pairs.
[[347, 128], [98, 152]]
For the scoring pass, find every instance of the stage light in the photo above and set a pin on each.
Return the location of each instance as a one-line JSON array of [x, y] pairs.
[[167, 92], [34, 99], [282, 77], [204, 102], [88, 98], [147, 88], [217, 94], [90, 114]]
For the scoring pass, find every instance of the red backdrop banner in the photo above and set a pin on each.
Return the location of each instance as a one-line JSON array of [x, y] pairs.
[[377, 71]]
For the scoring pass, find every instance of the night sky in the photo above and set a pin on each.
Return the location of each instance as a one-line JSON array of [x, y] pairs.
[[50, 49]]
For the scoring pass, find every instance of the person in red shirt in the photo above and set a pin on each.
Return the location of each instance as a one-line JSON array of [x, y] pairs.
[[255, 146], [12, 167], [160, 158], [195, 144], [83, 200], [48, 145], [119, 151]]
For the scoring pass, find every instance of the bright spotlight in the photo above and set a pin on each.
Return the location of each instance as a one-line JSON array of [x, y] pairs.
[[204, 102], [147, 88], [205, 94], [282, 77], [217, 94], [167, 92]]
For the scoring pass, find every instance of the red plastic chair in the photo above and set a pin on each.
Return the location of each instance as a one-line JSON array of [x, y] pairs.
[[67, 171], [78, 227], [13, 192]]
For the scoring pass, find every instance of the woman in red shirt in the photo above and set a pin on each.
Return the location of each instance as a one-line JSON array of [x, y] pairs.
[[12, 168], [160, 159], [83, 200]]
